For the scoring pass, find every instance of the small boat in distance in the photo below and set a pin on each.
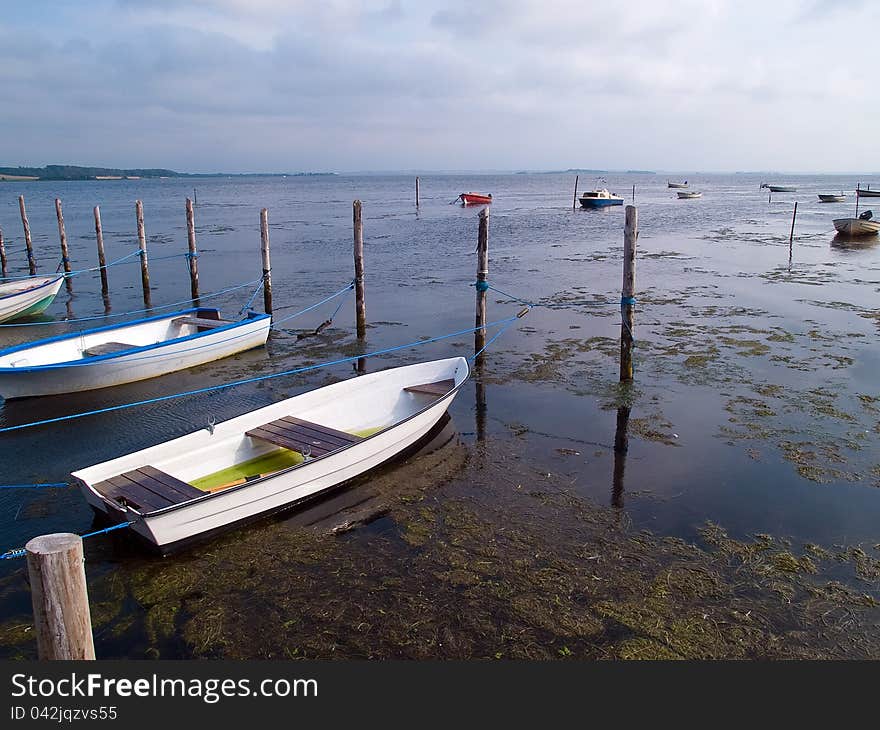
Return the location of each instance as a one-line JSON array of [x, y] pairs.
[[676, 185], [780, 188], [867, 193], [831, 198], [475, 199], [688, 195], [599, 199], [272, 458], [25, 297], [125, 353], [861, 226]]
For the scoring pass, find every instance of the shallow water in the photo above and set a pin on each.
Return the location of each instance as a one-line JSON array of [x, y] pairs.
[[755, 403]]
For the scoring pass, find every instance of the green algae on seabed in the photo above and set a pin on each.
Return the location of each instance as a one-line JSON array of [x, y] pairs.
[[470, 565]]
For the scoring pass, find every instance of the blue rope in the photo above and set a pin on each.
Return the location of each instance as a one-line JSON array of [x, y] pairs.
[[250, 301], [347, 288], [494, 337], [482, 285], [49, 485], [79, 271], [627, 300], [257, 379], [136, 311], [21, 552]]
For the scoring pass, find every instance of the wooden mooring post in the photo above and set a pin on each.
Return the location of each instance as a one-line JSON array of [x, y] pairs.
[[59, 595], [267, 261], [621, 446], [630, 236], [793, 217], [2, 254], [62, 235], [102, 259], [482, 284], [193, 251], [142, 245], [574, 203], [417, 192], [32, 265], [359, 289]]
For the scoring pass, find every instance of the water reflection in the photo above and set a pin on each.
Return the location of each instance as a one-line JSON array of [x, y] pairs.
[[621, 446], [843, 242]]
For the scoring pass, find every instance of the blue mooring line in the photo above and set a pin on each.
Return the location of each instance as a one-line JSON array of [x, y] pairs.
[[21, 552], [48, 485]]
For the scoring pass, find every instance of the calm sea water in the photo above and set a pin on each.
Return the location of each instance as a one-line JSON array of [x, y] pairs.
[[756, 375]]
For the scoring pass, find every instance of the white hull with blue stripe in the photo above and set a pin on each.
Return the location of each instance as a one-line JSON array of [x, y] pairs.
[[24, 297], [338, 432], [125, 353]]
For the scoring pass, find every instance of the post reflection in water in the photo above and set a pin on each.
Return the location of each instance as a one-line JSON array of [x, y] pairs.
[[480, 409], [621, 446]]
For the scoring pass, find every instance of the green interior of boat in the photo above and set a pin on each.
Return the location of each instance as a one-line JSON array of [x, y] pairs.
[[260, 466]]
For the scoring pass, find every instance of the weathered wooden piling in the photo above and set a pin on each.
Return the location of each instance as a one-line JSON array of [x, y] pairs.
[[574, 203], [57, 577], [193, 251], [482, 284], [2, 254], [793, 217], [62, 235], [267, 261], [630, 236], [359, 289], [634, 193], [32, 265], [102, 259], [417, 192], [142, 245], [858, 188]]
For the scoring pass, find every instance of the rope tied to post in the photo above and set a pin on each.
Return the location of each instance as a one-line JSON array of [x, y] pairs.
[[627, 300], [482, 285], [21, 552]]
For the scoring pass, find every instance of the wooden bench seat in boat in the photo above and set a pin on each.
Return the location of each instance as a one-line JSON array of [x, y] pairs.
[[303, 436], [203, 323], [441, 387], [147, 489], [107, 348]]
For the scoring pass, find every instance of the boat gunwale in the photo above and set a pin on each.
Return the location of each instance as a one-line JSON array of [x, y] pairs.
[[50, 280], [273, 475], [252, 317]]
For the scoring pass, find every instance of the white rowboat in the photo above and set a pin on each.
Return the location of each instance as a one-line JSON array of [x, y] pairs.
[[24, 297], [676, 185], [857, 226], [274, 457], [689, 195], [125, 353], [831, 198]]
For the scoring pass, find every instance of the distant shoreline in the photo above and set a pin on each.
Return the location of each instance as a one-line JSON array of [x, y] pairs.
[[76, 172]]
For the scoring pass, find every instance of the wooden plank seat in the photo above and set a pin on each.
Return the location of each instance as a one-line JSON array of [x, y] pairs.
[[441, 387], [202, 323], [303, 436], [107, 348], [147, 489]]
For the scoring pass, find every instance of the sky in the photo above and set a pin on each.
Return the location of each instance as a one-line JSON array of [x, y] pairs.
[[340, 85]]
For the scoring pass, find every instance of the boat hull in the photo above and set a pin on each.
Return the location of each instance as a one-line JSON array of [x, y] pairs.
[[689, 196], [21, 300], [139, 363], [600, 202], [857, 227], [676, 185], [831, 198], [264, 496], [868, 193], [782, 189], [475, 199]]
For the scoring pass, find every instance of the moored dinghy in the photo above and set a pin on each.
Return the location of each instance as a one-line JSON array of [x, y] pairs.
[[274, 457], [831, 197], [125, 353], [864, 225], [24, 297], [689, 195]]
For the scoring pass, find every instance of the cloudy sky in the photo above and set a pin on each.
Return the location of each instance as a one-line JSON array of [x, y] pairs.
[[287, 85]]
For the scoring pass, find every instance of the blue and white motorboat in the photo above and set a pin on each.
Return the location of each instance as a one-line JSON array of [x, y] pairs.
[[599, 198]]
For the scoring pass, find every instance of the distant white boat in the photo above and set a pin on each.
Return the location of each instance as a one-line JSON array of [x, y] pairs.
[[689, 195], [125, 353], [599, 198], [780, 188], [861, 226], [831, 198], [274, 457], [24, 297], [676, 185]]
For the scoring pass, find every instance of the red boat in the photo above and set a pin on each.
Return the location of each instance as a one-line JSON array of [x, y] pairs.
[[475, 199]]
